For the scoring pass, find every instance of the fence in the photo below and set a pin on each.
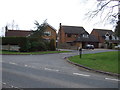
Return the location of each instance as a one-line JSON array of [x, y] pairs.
[[9, 47]]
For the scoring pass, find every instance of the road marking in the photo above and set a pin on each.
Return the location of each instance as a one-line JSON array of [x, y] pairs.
[[4, 83], [51, 69], [29, 66], [33, 67], [12, 86], [81, 74], [13, 63], [26, 65], [112, 79], [15, 87]]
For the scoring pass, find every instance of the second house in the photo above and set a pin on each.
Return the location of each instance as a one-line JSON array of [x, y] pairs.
[[76, 36]]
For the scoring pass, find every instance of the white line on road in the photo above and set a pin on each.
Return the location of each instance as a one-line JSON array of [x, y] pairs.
[[13, 63], [67, 53], [15, 87], [33, 67], [12, 86], [26, 65], [81, 74], [51, 69], [4, 83], [112, 79]]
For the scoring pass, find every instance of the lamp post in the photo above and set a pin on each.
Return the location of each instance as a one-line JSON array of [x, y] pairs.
[[80, 52]]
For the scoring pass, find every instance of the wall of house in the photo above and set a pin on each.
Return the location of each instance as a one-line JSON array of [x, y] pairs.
[[52, 35], [72, 38], [101, 40], [78, 44], [61, 36]]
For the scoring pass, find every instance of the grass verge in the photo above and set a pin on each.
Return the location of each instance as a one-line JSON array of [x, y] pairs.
[[106, 61], [28, 53]]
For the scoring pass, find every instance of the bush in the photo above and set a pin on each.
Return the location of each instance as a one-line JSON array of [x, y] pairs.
[[38, 46], [21, 41], [25, 47], [13, 40], [52, 45], [28, 44], [47, 44], [110, 46]]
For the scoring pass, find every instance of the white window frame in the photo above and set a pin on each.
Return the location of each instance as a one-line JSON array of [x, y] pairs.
[[47, 32]]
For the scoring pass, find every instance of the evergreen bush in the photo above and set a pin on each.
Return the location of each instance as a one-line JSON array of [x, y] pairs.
[[52, 45]]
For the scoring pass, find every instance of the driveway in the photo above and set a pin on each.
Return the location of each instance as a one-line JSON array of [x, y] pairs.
[[56, 66]]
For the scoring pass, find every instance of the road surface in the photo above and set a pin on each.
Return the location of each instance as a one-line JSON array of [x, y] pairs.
[[51, 71]]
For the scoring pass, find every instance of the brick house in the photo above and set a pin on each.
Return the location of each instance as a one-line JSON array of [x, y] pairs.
[[105, 36], [50, 33], [75, 36]]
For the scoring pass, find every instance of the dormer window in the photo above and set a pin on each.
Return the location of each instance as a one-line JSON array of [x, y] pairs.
[[85, 36], [107, 36], [113, 37]]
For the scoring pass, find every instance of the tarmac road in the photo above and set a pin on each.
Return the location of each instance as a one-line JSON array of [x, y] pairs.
[[51, 71]]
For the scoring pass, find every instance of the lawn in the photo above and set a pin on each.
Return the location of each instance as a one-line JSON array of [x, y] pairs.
[[33, 53], [106, 61]]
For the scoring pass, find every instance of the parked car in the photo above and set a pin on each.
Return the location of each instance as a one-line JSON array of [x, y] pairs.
[[89, 46], [117, 47]]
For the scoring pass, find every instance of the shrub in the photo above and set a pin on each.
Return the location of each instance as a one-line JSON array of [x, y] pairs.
[[25, 47], [29, 43], [47, 44], [52, 45], [38, 46], [110, 46], [13, 40]]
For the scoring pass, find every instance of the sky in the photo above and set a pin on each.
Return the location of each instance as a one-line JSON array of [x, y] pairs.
[[68, 12]]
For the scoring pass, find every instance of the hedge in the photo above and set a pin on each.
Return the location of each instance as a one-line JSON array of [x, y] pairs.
[[52, 45], [13, 40], [28, 44]]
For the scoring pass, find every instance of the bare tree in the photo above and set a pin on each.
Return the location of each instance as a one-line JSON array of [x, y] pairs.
[[13, 25], [106, 10]]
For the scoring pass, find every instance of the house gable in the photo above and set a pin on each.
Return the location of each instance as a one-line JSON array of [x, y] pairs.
[[69, 33], [50, 32], [75, 34], [104, 35], [25, 33]]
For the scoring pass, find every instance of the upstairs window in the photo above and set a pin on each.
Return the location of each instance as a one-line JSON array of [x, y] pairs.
[[47, 33], [85, 36], [107, 36]]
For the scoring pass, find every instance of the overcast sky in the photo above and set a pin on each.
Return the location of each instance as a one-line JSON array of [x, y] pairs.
[[68, 12]]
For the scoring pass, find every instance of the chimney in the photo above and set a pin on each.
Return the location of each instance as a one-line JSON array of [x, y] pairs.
[[6, 30], [60, 26]]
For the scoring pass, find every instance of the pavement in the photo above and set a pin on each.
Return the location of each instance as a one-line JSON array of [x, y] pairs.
[[51, 71]]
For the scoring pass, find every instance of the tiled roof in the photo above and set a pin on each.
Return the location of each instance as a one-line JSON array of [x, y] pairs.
[[73, 29], [102, 32], [17, 33], [91, 38], [22, 33]]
